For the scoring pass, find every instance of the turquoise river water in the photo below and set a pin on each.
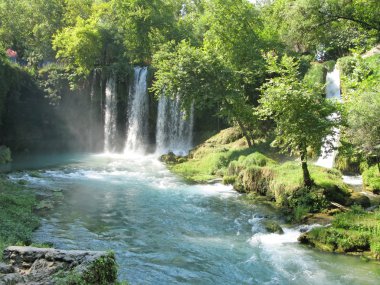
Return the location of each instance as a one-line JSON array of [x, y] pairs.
[[165, 231]]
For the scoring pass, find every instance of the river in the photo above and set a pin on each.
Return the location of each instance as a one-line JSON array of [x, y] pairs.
[[165, 231]]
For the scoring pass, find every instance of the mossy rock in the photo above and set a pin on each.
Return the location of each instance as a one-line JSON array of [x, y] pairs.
[[171, 158], [5, 154], [272, 227], [254, 179], [359, 199]]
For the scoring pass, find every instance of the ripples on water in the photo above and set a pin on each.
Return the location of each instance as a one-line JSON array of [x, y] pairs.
[[164, 231]]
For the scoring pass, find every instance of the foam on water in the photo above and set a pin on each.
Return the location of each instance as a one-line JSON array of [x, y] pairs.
[[165, 231], [356, 180]]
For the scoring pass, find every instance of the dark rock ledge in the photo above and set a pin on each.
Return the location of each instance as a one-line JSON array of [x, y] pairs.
[[45, 266]]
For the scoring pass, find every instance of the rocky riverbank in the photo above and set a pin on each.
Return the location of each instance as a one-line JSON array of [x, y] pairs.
[[31, 265]]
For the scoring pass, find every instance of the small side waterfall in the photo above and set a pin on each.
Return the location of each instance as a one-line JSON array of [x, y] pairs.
[[138, 110], [110, 115], [174, 131], [327, 158]]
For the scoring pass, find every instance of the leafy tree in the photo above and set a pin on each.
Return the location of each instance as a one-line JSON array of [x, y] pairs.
[[223, 69], [363, 123], [81, 47], [334, 26], [303, 117], [27, 27], [203, 80], [360, 84], [143, 25]]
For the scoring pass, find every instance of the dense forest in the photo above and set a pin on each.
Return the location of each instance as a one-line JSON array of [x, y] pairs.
[[212, 53], [256, 68]]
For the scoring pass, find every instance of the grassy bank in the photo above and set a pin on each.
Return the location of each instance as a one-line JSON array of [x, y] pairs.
[[211, 159], [261, 171], [353, 232], [17, 219]]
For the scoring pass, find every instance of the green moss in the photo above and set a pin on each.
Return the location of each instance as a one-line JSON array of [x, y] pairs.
[[17, 220], [353, 231], [103, 271], [371, 179]]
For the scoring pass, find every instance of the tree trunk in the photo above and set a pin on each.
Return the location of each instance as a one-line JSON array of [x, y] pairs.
[[245, 133], [307, 181]]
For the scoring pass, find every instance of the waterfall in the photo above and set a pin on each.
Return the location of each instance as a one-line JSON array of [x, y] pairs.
[[110, 115], [327, 158], [138, 110], [174, 131]]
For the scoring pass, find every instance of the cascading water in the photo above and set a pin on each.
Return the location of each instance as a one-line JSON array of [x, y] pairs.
[[138, 110], [327, 157], [174, 130], [110, 115]]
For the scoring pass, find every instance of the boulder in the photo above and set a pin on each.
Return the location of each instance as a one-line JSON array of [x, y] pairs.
[[359, 199]]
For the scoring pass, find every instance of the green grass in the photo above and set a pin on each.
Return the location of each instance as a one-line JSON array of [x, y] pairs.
[[211, 159], [353, 231], [17, 220], [209, 166]]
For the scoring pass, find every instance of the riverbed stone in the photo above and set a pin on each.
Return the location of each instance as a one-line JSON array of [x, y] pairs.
[[31, 265]]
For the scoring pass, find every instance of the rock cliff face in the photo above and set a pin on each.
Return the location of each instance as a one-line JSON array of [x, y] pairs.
[[45, 266]]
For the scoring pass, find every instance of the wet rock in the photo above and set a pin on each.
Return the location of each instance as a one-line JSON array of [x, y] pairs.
[[5, 268], [273, 227], [30, 265]]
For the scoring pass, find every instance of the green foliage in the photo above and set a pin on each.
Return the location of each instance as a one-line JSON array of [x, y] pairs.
[[53, 79], [331, 25], [145, 25], [360, 85], [371, 179], [301, 114], [17, 220], [28, 27], [315, 75], [103, 271], [80, 46], [223, 70]]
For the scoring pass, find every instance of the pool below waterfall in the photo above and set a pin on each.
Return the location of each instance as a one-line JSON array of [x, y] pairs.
[[165, 231]]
